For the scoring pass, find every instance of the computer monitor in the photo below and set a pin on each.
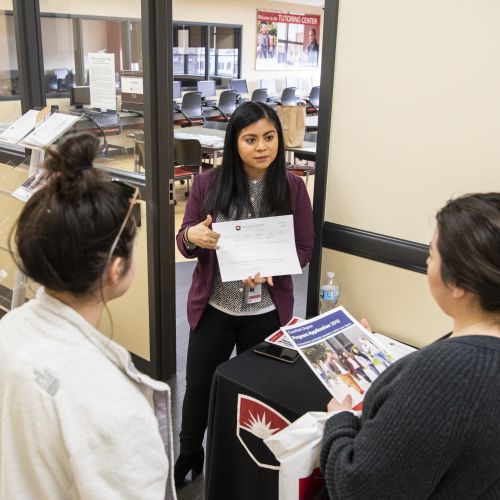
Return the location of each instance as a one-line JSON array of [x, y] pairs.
[[177, 89], [80, 96], [132, 91], [206, 88], [239, 86]]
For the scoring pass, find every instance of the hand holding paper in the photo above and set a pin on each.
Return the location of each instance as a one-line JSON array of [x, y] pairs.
[[264, 246]]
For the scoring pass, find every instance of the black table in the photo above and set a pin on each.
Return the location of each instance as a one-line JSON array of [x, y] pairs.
[[238, 386]]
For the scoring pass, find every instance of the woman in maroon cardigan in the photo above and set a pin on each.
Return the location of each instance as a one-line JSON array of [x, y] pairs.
[[251, 182]]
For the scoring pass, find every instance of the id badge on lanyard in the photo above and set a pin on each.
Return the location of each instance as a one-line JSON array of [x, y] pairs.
[[253, 295]]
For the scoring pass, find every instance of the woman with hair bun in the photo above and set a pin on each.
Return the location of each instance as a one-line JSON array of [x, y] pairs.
[[77, 420], [430, 426]]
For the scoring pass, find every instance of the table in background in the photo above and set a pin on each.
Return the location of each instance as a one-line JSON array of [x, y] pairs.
[[196, 132], [211, 140], [312, 123]]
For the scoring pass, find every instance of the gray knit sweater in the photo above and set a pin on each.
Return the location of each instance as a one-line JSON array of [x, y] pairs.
[[430, 428]]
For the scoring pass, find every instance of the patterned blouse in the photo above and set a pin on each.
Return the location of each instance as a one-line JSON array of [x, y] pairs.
[[230, 297]]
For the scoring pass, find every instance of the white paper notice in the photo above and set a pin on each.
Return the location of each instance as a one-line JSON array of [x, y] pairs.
[[132, 84], [102, 80], [20, 128], [50, 130], [265, 245]]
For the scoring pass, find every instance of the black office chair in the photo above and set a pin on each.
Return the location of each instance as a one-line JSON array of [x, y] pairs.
[[312, 101], [51, 83], [309, 168], [288, 97], [191, 110], [69, 81], [226, 106], [187, 161], [259, 95]]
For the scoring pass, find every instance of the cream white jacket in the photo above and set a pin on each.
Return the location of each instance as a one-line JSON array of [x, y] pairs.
[[77, 420]]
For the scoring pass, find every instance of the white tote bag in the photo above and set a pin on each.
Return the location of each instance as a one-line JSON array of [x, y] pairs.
[[297, 448]]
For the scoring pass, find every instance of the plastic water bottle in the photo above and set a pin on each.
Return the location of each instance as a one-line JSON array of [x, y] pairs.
[[328, 293]]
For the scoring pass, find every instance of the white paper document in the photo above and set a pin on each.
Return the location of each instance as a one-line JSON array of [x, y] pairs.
[[20, 128], [50, 130], [265, 245], [102, 80]]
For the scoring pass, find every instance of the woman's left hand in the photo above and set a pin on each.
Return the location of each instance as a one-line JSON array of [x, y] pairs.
[[258, 280], [345, 405]]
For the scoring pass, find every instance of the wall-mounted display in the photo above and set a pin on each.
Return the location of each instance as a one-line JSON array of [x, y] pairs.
[[286, 40]]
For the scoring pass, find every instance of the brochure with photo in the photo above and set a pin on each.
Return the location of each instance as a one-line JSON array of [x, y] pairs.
[[32, 184], [345, 356]]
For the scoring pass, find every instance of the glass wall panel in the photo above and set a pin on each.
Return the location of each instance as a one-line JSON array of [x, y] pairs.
[[224, 52], [10, 103], [190, 45], [71, 32], [58, 55]]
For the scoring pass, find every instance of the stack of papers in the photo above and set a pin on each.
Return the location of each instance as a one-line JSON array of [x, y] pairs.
[[49, 131], [20, 128], [25, 131]]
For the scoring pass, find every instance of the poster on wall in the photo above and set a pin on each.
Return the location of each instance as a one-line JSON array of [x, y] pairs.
[[286, 40]]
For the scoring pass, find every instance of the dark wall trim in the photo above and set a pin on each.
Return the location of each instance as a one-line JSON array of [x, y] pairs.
[[393, 251], [322, 151], [29, 53]]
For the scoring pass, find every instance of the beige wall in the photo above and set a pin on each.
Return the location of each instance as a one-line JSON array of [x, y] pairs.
[[414, 122], [395, 301], [415, 111], [9, 111], [57, 43]]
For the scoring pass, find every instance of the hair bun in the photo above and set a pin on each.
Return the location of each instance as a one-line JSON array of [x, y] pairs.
[[73, 155]]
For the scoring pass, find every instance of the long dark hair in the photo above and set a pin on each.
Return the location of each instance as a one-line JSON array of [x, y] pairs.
[[469, 245], [65, 231], [231, 185]]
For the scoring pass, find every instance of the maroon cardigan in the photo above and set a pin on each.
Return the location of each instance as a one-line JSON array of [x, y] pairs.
[[203, 276]]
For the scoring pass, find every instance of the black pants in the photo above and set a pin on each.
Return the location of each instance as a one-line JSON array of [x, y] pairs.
[[209, 345]]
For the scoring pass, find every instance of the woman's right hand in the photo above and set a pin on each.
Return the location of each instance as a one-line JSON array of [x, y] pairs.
[[202, 236]]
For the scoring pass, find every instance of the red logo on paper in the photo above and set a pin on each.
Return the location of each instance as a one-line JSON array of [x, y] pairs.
[[238, 228], [257, 421]]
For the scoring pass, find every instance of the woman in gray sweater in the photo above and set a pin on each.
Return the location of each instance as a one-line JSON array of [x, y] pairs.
[[430, 426]]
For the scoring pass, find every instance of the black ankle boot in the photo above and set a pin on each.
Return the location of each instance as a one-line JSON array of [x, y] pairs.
[[184, 464]]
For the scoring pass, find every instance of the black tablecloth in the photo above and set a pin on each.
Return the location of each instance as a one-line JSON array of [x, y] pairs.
[[290, 389]]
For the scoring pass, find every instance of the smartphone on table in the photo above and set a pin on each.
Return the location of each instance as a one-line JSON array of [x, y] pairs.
[[277, 352]]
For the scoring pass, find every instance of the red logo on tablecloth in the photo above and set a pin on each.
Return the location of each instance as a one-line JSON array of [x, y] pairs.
[[255, 422], [309, 487]]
